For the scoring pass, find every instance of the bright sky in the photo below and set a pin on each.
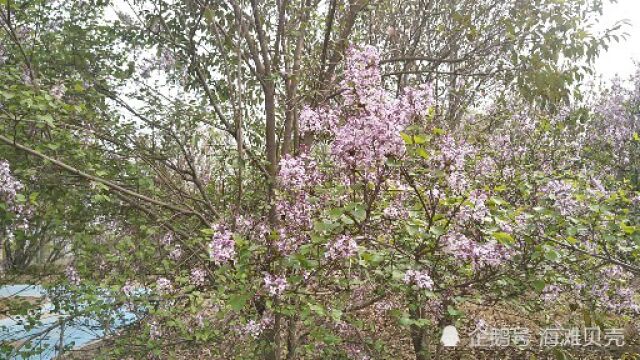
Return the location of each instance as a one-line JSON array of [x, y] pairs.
[[619, 58]]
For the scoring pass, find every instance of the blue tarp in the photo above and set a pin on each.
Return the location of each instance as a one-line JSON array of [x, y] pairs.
[[45, 335]]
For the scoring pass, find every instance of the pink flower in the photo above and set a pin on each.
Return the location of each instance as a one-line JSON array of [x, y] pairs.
[[163, 285], [72, 275], [297, 173], [198, 276], [562, 195], [341, 248], [421, 279], [176, 253], [275, 285], [320, 120], [222, 246]]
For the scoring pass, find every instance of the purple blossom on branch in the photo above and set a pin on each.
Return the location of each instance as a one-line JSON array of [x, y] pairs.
[[222, 246], [562, 194], [72, 275], [163, 285], [275, 285], [421, 279], [198, 276], [341, 248]]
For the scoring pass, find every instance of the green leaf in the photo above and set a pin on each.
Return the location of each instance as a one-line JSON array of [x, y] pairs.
[[504, 238], [539, 285], [422, 153], [317, 309], [336, 314], [47, 118], [360, 214], [551, 255], [407, 138], [419, 139], [452, 311], [238, 301]]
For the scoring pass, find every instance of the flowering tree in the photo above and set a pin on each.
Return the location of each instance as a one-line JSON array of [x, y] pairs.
[[390, 212]]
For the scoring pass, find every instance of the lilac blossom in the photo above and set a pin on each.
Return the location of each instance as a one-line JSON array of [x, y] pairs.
[[341, 248], [198, 276], [562, 194], [251, 328], [296, 212], [368, 136], [421, 279], [396, 210], [222, 246], [128, 288], [255, 328], [489, 253], [457, 182], [453, 154], [10, 188], [275, 285], [478, 209], [167, 239], [58, 91], [319, 120], [176, 253], [163, 285], [72, 275], [298, 172]]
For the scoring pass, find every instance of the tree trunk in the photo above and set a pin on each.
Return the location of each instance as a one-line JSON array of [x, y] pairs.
[[419, 340], [274, 351], [271, 145]]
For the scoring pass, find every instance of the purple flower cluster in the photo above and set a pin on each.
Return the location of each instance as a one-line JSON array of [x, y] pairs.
[[163, 285], [251, 328], [478, 210], [222, 247], [421, 279], [255, 328], [10, 187], [176, 253], [562, 195], [614, 290], [72, 275], [452, 158], [367, 140], [58, 91], [362, 78], [275, 285], [490, 253], [453, 154], [341, 248], [256, 229], [318, 121], [372, 118], [296, 212], [128, 288], [395, 211], [297, 173], [198, 276], [167, 239]]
